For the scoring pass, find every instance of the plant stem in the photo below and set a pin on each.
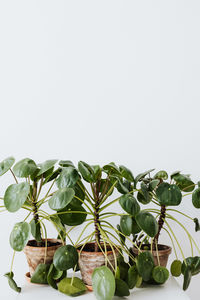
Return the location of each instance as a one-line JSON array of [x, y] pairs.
[[35, 208], [96, 218], [160, 224]]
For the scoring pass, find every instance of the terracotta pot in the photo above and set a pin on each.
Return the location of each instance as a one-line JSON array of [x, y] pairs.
[[36, 255], [89, 260], [163, 253]]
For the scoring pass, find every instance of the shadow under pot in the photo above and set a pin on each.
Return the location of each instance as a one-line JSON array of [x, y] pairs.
[[38, 255], [163, 253], [89, 260]]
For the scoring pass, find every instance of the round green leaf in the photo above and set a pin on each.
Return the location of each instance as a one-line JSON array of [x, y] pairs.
[[61, 198], [36, 230], [132, 277], [73, 215], [126, 173], [146, 193], [126, 224], [160, 274], [112, 169], [196, 198], [20, 236], [129, 204], [145, 265], [65, 258], [121, 186], [68, 178], [45, 166], [72, 286], [40, 274], [184, 182], [6, 164], [147, 223], [176, 268], [24, 168], [168, 194], [161, 175], [15, 196], [86, 171], [121, 288], [103, 283]]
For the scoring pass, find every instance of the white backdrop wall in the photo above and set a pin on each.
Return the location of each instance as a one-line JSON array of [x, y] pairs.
[[100, 81]]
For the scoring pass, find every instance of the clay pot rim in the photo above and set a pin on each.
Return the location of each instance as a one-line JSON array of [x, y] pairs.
[[168, 250], [49, 247], [93, 252]]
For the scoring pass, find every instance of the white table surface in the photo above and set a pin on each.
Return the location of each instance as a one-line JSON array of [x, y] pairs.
[[171, 290]]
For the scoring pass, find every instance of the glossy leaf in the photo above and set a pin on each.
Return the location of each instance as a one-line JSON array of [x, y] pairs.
[[6, 164], [61, 198], [161, 175], [187, 278], [184, 182], [193, 263], [71, 215], [145, 265], [36, 230], [126, 224], [146, 193], [12, 283], [103, 283], [176, 268], [112, 169], [147, 223], [129, 204], [20, 236], [121, 186], [24, 168], [15, 196], [196, 198], [50, 280], [160, 274], [132, 277], [121, 288], [86, 171], [65, 258], [168, 194], [40, 274], [45, 166], [72, 286], [68, 178], [126, 173]]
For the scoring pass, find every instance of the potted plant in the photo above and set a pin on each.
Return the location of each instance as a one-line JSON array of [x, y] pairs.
[[151, 257], [29, 181]]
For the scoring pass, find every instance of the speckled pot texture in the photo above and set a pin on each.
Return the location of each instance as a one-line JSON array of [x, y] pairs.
[[88, 261], [163, 254], [36, 255]]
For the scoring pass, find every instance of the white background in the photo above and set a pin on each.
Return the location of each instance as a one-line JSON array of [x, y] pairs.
[[100, 81]]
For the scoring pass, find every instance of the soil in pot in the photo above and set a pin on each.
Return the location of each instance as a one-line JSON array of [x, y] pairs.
[[89, 260], [163, 253], [36, 255]]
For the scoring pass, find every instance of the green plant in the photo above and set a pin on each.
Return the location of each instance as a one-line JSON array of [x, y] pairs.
[[146, 228]]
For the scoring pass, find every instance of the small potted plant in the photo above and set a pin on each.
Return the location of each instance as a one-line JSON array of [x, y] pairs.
[[151, 257], [29, 180]]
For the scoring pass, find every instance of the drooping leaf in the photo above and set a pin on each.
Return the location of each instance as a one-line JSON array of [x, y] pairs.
[[146, 193], [12, 282], [160, 274], [126, 173], [6, 164], [65, 258], [129, 204], [147, 223], [86, 171], [132, 276], [193, 263], [184, 182], [121, 186], [72, 286], [197, 225], [15, 196], [20, 236], [24, 168], [145, 265], [68, 178], [54, 275], [40, 274], [176, 268], [36, 230], [161, 175], [45, 166], [168, 194], [73, 215], [61, 198], [187, 278], [196, 198], [121, 288], [103, 283], [123, 267]]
